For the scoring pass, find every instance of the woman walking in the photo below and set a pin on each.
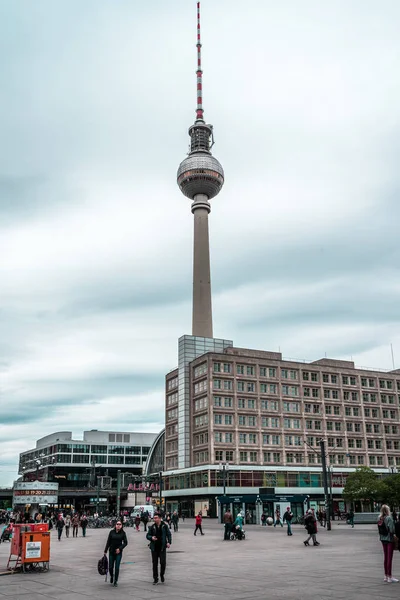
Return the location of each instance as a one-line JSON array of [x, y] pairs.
[[116, 542], [310, 523], [386, 533], [67, 525], [137, 522]]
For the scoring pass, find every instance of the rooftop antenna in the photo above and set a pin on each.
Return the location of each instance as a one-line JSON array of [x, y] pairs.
[[199, 72]]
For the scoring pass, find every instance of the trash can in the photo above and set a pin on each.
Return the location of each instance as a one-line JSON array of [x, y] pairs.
[[35, 554]]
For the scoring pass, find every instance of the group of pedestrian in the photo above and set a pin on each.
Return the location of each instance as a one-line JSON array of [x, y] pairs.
[[172, 520], [159, 537], [231, 525], [75, 521]]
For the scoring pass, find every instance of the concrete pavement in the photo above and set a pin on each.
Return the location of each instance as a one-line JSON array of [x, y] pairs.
[[268, 564]]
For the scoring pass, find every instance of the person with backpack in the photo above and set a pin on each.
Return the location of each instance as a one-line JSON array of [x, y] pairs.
[[60, 526], [145, 518], [116, 542], [288, 516], [159, 536], [386, 535]]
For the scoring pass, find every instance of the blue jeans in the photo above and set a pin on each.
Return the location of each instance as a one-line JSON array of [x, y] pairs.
[[289, 528], [114, 559]]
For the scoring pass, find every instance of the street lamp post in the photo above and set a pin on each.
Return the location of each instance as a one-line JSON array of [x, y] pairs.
[[324, 480], [224, 467], [160, 485]]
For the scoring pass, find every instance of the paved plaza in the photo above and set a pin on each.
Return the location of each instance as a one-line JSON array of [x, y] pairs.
[[268, 564]]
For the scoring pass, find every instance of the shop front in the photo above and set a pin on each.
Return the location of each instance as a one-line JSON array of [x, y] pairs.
[[254, 505]]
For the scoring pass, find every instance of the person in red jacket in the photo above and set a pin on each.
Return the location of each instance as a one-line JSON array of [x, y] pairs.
[[198, 524]]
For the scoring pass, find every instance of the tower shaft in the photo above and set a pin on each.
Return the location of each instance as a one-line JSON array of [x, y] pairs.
[[202, 325]]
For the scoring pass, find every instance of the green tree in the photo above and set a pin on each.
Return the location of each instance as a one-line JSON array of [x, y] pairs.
[[389, 490], [362, 485]]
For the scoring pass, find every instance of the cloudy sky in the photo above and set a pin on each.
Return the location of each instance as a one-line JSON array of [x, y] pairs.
[[96, 239]]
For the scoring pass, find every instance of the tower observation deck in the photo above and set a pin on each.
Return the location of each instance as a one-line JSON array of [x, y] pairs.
[[200, 177]]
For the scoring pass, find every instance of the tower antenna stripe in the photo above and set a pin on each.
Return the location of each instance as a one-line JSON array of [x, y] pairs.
[[199, 72]]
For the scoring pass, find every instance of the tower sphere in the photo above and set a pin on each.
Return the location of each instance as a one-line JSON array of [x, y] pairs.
[[200, 173]]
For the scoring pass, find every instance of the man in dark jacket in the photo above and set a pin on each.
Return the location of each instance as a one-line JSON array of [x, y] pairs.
[[228, 522], [116, 542], [288, 516], [159, 535]]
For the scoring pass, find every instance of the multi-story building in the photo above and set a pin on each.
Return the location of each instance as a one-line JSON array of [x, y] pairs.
[[79, 464], [252, 411], [264, 416]]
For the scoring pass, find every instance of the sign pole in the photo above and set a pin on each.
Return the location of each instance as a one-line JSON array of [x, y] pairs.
[[118, 493]]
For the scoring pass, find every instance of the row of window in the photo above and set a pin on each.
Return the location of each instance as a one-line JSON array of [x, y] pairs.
[[288, 423], [300, 458], [99, 459], [68, 449], [293, 374], [227, 385], [294, 407], [294, 440]]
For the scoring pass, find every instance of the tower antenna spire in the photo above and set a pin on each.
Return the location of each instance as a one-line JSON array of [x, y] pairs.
[[199, 72]]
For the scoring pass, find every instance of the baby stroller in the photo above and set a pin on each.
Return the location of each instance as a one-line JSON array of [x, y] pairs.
[[238, 534], [6, 535]]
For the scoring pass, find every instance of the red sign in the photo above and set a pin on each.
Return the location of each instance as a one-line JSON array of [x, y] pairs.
[[143, 487]]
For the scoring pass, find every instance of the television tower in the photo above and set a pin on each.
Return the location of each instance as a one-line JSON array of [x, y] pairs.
[[200, 177]]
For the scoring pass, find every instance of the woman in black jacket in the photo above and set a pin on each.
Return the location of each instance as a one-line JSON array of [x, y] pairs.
[[310, 523], [116, 542]]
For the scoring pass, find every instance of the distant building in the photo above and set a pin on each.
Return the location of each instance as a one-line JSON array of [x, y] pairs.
[[85, 464]]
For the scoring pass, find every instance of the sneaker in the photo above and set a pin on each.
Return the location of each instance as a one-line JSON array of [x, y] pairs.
[[115, 584], [155, 582], [385, 579], [162, 578], [392, 580]]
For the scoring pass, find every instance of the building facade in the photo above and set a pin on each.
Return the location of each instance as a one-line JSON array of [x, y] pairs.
[[86, 469], [261, 417]]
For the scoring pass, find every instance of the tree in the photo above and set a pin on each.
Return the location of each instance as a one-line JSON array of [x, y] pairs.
[[363, 484], [389, 490]]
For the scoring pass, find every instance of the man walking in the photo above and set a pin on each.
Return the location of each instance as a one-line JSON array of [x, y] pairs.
[[228, 522], [60, 526], [175, 520], [75, 525], [84, 524], [288, 516], [278, 518], [159, 535], [199, 520], [351, 517]]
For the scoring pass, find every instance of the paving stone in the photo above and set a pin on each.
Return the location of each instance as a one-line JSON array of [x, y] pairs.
[[268, 564]]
